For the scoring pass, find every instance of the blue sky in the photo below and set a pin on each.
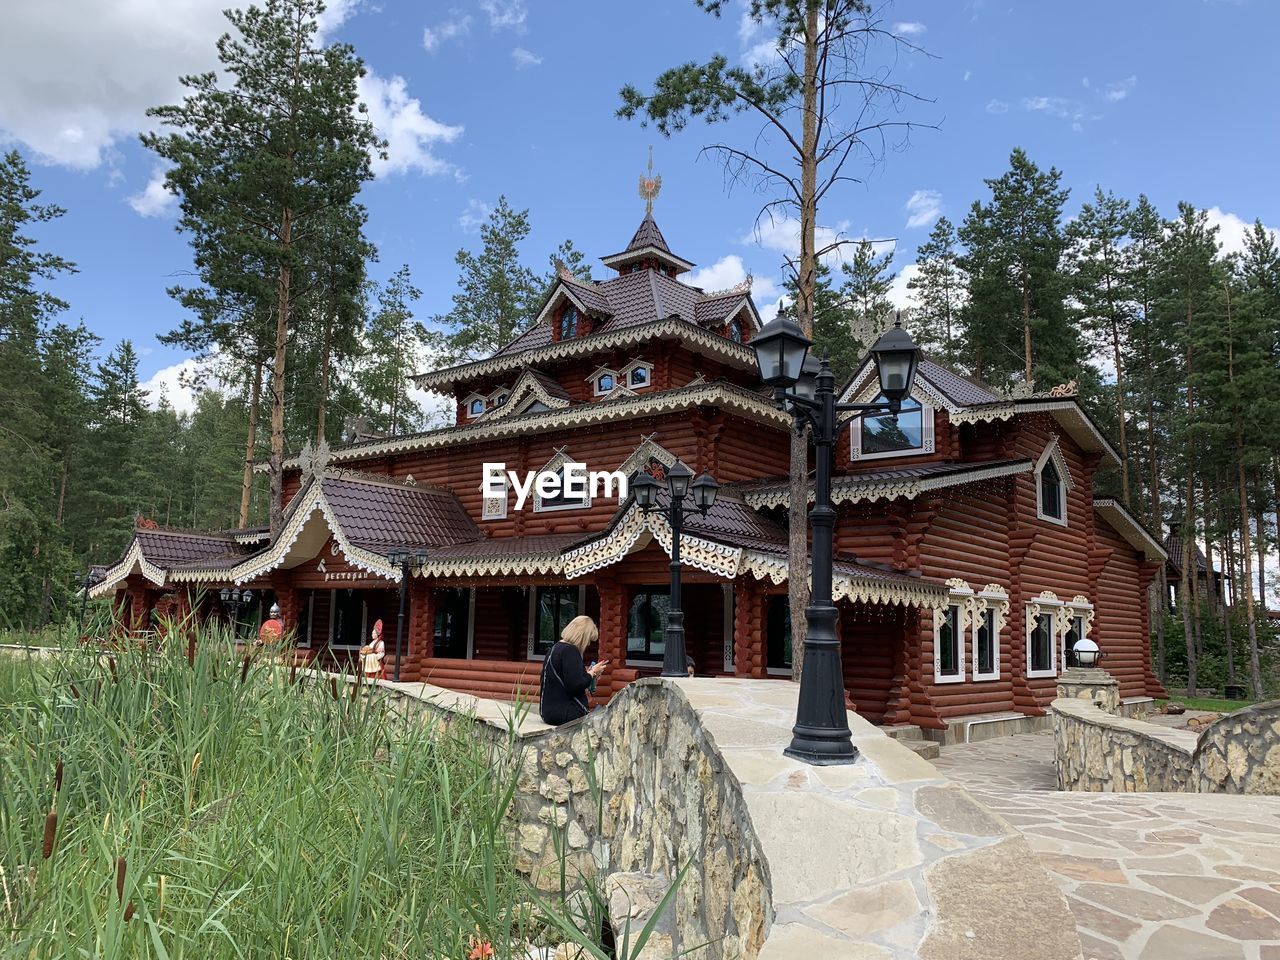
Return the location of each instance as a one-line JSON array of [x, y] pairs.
[[485, 97]]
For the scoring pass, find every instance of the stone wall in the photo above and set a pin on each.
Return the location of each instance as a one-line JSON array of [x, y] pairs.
[[1096, 751], [1240, 753], [883, 859]]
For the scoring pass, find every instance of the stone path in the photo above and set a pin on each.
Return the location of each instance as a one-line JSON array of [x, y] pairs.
[[1148, 876]]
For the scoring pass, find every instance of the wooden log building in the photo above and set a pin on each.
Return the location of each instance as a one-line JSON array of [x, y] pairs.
[[971, 551]]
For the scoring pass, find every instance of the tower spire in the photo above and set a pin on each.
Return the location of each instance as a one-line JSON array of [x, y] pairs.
[[650, 186]]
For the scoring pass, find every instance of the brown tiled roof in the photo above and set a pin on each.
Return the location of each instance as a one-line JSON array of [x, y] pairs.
[[552, 387], [1173, 546], [378, 515], [717, 308], [959, 389], [648, 235], [166, 548], [590, 295], [549, 545], [919, 472]]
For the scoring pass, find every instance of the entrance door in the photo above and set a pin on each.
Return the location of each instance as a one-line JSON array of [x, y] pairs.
[[347, 625], [452, 622]]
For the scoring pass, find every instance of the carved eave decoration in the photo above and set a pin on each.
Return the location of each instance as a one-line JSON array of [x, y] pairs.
[[628, 338], [534, 563], [729, 397], [527, 388], [847, 583], [132, 562], [854, 489], [1069, 414], [1053, 449], [1134, 533], [307, 530]]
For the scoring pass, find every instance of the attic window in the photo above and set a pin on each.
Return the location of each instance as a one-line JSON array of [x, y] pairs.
[[569, 323], [476, 407], [640, 377], [604, 383], [1051, 489], [885, 434], [735, 331]]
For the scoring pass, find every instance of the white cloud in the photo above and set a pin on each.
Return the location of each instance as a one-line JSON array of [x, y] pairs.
[[1233, 229], [154, 200], [474, 216], [997, 106], [505, 14], [173, 384], [432, 37], [729, 272], [410, 133], [76, 76], [923, 207], [783, 235], [899, 295], [1117, 91], [910, 28], [525, 58], [967, 75]]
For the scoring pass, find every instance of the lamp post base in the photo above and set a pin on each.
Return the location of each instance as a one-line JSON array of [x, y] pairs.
[[821, 734], [673, 655]]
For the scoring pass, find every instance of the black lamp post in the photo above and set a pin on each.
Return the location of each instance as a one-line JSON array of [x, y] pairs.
[[821, 733], [704, 496], [235, 597], [406, 560]]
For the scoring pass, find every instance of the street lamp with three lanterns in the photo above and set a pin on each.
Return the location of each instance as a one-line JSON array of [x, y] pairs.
[[406, 560], [806, 387], [704, 489], [235, 597]]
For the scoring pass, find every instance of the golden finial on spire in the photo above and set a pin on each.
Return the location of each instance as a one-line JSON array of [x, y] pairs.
[[650, 185]]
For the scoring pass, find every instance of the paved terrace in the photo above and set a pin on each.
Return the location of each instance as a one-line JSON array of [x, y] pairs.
[[1148, 876]]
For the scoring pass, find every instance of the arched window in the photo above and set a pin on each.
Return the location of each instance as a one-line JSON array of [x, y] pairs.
[[735, 331], [1051, 487], [568, 323], [885, 433]]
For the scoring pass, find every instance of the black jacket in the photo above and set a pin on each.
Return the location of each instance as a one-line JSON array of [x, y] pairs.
[[565, 683]]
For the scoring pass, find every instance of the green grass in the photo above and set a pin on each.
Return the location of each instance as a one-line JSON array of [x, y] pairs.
[[230, 813], [1208, 703]]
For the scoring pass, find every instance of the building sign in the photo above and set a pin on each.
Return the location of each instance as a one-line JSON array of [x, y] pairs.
[[571, 481]]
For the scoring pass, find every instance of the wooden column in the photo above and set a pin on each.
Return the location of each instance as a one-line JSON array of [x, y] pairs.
[[613, 635], [749, 654], [140, 610], [419, 629]]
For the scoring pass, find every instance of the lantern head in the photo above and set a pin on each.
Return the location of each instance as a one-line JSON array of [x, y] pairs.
[[780, 348]]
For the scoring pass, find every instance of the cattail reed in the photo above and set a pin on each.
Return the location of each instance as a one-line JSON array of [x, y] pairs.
[[128, 912], [75, 691], [293, 673], [120, 871], [115, 676], [244, 671], [57, 778], [50, 831], [333, 687], [191, 650]]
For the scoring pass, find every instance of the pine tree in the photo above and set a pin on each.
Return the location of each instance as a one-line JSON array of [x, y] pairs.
[[260, 162], [117, 462], [570, 258], [938, 293], [497, 294], [865, 293], [1103, 301], [1015, 318], [392, 348]]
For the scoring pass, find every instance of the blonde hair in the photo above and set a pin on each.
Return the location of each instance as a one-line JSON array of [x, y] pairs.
[[581, 632]]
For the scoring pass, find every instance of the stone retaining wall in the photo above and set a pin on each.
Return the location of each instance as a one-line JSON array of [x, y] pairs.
[[1096, 751], [883, 859], [1240, 753]]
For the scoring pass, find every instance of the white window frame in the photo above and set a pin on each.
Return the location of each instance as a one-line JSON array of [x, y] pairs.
[[558, 463], [493, 508], [959, 595], [533, 612], [1063, 486], [996, 604], [466, 405], [926, 437], [1052, 608], [631, 368], [1078, 609], [311, 619], [333, 618]]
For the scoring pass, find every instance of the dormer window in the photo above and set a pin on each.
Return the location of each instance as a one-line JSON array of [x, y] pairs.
[[475, 407], [735, 331], [884, 434], [604, 383], [640, 377], [569, 323], [502, 398], [1051, 486]]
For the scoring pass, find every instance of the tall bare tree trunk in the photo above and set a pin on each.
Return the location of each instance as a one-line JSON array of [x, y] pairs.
[[278, 373], [1250, 619], [806, 280], [325, 362], [1026, 326], [1228, 640], [251, 441], [1261, 546]]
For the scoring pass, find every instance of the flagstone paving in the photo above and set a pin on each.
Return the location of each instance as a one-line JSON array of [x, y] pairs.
[[1148, 876]]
